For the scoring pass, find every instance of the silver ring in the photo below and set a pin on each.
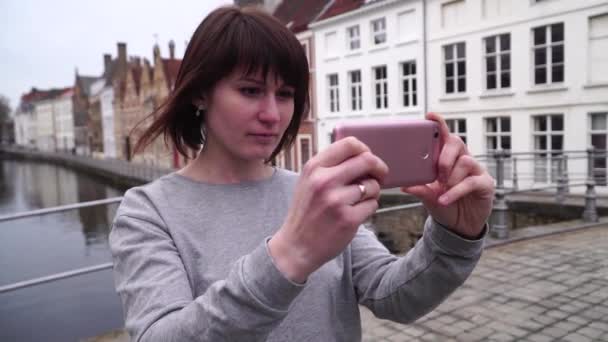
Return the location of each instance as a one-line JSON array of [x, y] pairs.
[[362, 190]]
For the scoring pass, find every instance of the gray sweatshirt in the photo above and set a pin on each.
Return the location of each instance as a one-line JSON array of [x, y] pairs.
[[191, 264]]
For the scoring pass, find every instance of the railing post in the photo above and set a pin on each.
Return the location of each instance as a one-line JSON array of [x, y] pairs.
[[515, 181], [590, 213], [500, 224], [561, 193], [565, 170]]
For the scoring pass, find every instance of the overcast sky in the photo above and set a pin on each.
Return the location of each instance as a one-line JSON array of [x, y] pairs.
[[42, 42]]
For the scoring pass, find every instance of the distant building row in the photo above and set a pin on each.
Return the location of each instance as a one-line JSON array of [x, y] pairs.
[[98, 114]]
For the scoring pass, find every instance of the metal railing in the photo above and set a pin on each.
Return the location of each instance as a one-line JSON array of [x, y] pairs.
[[499, 227]]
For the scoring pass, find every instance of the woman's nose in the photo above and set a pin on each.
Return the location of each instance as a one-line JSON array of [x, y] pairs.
[[269, 112]]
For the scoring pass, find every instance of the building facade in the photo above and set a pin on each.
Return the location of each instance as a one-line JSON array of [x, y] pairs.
[[522, 76], [369, 63], [64, 121]]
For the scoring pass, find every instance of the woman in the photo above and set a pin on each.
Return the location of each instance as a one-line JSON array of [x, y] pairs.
[[230, 248]]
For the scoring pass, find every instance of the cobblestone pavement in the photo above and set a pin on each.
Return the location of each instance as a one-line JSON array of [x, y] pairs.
[[549, 289]]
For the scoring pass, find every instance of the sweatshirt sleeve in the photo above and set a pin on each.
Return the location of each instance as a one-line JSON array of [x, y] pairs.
[[406, 288], [158, 300]]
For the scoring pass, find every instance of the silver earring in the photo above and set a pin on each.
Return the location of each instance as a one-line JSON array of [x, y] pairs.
[[198, 112]]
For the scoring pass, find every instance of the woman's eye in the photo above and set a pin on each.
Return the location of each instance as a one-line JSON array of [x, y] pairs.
[[250, 91], [288, 94]]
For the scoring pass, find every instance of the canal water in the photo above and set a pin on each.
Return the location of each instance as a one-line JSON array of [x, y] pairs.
[[70, 309]]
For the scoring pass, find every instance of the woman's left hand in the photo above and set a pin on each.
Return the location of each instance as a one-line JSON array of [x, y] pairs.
[[461, 197]]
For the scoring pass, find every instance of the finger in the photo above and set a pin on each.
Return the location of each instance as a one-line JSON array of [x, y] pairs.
[[465, 187], [423, 192], [453, 148], [364, 165], [338, 152], [351, 194], [361, 211], [444, 131], [465, 166]]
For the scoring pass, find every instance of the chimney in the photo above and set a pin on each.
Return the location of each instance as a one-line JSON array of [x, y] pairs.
[[107, 63], [171, 49], [156, 52], [122, 53]]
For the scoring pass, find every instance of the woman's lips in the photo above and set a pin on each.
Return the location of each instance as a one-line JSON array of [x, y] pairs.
[[264, 138]]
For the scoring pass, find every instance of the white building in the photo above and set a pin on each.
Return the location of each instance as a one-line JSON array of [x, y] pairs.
[[45, 125], [64, 121], [106, 98], [102, 94], [369, 64], [24, 125], [522, 76], [54, 120]]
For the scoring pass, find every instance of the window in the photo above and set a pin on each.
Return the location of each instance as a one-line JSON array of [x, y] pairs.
[[455, 68], [354, 78], [334, 93], [379, 31], [453, 14], [498, 138], [304, 146], [458, 127], [408, 83], [380, 87], [496, 8], [548, 135], [598, 45], [407, 26], [354, 37], [548, 54], [598, 134], [498, 61], [285, 159], [331, 49]]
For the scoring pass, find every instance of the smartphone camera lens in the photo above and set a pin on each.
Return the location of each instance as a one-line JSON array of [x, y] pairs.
[[436, 135]]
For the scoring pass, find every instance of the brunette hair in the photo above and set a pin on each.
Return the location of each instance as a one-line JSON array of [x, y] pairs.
[[227, 39]]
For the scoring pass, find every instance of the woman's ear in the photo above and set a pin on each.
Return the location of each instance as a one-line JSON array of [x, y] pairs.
[[200, 103]]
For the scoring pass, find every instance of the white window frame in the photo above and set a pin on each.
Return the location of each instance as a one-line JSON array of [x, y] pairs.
[[454, 62], [282, 160], [499, 134], [548, 46], [412, 84], [378, 31], [382, 97], [333, 93], [356, 102], [548, 160], [497, 56], [601, 174], [354, 41], [454, 127], [299, 139], [592, 38]]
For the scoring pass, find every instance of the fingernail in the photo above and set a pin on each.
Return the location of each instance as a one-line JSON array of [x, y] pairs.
[[443, 199]]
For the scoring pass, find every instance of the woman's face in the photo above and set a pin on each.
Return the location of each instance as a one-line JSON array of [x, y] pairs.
[[247, 115]]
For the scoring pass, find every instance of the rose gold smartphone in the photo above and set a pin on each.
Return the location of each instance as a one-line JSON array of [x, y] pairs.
[[410, 148]]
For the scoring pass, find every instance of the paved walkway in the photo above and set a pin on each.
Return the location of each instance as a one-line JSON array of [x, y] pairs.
[[549, 289]]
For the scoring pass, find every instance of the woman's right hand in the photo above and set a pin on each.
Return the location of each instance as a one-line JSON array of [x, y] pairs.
[[327, 207]]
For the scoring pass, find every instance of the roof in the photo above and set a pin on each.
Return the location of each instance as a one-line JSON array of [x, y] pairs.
[[171, 68], [85, 83], [36, 95], [340, 7], [298, 14]]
